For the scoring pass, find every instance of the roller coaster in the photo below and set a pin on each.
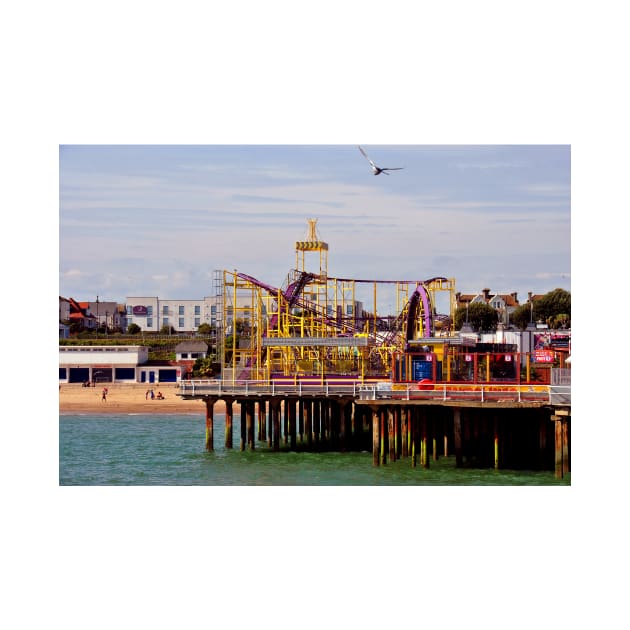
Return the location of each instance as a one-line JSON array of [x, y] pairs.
[[313, 326]]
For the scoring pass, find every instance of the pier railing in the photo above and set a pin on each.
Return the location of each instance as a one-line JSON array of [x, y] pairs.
[[440, 392]]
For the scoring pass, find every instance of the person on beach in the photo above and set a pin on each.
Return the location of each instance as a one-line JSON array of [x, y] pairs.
[[146, 396], [152, 395], [104, 396]]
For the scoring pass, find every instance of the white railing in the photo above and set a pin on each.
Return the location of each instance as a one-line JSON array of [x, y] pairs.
[[263, 388], [439, 392]]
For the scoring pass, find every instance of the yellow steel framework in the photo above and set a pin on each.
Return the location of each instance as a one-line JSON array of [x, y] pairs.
[[314, 325]]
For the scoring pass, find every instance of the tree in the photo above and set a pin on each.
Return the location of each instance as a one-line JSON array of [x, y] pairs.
[[521, 316], [133, 329], [556, 302], [203, 368], [204, 329], [553, 308], [167, 330], [481, 317]]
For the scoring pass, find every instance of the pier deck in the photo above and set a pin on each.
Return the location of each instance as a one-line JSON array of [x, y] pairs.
[[483, 425]]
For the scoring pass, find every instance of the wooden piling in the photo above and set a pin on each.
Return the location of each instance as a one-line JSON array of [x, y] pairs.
[[413, 432], [383, 432], [249, 419], [391, 435], [275, 413], [558, 453], [308, 422], [301, 419], [376, 438], [290, 403], [243, 414], [210, 423], [262, 421], [228, 422], [457, 429], [424, 425], [403, 432], [444, 423], [496, 440], [341, 417], [542, 441]]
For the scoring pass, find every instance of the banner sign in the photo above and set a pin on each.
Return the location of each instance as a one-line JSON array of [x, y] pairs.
[[544, 356], [139, 310]]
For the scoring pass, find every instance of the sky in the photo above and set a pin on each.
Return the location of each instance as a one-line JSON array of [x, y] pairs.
[[156, 220]]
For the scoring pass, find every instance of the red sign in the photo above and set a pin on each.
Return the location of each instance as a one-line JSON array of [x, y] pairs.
[[544, 356]]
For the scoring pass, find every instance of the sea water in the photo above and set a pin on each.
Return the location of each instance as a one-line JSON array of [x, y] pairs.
[[132, 450]]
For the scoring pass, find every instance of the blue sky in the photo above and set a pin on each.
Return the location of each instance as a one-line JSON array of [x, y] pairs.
[[156, 220]]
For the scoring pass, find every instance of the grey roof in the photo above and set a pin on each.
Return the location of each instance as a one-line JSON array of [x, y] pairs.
[[192, 346]]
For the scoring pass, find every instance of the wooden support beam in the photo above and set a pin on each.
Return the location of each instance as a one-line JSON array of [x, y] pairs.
[[262, 421], [317, 416], [413, 432], [391, 435], [249, 419], [269, 424], [444, 423], [275, 414], [243, 414], [210, 423], [308, 422], [424, 425], [290, 403], [301, 419], [383, 432], [376, 438], [496, 441], [558, 452], [457, 429], [404, 431], [229, 418]]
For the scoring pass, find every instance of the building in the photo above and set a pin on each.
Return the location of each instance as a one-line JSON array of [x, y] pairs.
[[101, 364], [109, 315], [187, 352], [152, 313], [504, 303]]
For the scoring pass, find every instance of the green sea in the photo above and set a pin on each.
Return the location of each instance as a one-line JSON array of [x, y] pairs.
[[145, 450]]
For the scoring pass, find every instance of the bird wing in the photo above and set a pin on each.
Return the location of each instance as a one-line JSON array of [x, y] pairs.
[[397, 168], [367, 158]]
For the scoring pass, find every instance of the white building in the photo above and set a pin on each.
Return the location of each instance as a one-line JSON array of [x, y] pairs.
[[101, 364], [151, 313]]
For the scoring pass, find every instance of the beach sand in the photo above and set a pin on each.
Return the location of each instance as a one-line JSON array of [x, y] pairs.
[[128, 398]]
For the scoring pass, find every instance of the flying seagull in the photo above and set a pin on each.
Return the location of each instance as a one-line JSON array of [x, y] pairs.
[[377, 169]]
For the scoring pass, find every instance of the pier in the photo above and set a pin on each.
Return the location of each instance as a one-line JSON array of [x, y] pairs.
[[484, 426]]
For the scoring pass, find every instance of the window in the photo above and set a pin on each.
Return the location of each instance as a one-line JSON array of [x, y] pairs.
[[149, 322], [197, 322], [149, 311], [181, 310], [349, 309], [197, 310], [213, 310], [165, 310], [165, 321], [181, 322]]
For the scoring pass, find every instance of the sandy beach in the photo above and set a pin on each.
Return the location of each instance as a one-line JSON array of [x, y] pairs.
[[128, 398]]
